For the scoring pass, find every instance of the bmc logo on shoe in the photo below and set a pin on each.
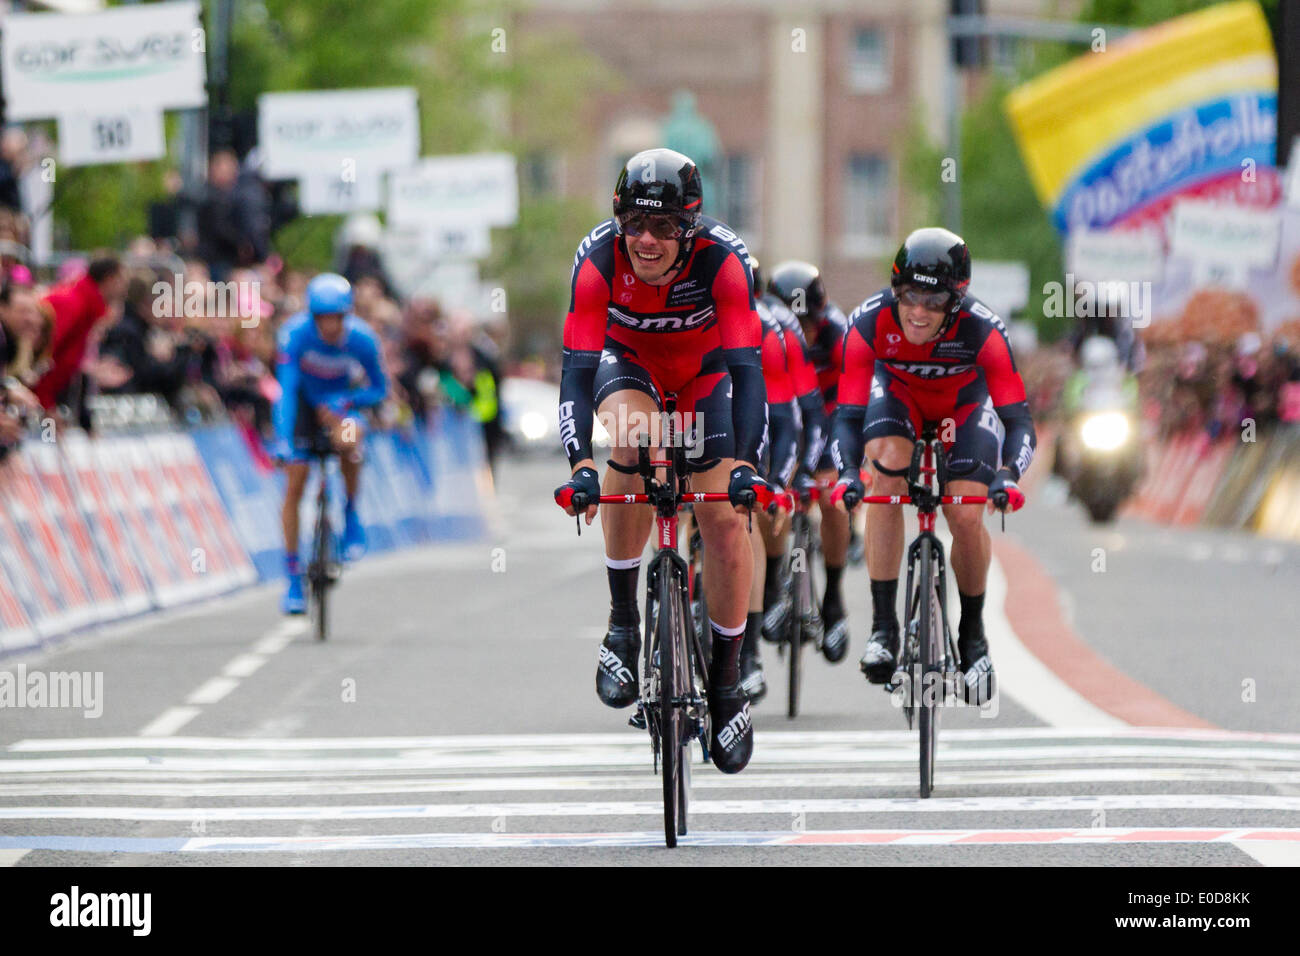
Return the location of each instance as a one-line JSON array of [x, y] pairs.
[[613, 666], [734, 728]]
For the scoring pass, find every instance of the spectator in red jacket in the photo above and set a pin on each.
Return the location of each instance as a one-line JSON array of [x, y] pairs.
[[75, 307]]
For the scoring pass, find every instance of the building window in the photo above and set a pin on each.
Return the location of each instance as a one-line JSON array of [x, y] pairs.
[[869, 61], [868, 202], [738, 192]]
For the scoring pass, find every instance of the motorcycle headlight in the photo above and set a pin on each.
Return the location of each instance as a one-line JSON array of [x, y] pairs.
[[1105, 431], [533, 425]]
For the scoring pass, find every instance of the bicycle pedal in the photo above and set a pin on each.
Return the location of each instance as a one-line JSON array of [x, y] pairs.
[[637, 720]]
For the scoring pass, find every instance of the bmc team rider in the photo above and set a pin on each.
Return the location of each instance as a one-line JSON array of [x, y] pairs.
[[799, 285], [329, 369], [923, 350], [661, 303]]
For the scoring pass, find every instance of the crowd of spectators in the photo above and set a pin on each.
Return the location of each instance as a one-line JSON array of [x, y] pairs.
[[190, 313], [1193, 386]]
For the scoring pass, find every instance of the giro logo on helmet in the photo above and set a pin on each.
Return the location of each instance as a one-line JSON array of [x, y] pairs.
[[649, 202], [928, 280]]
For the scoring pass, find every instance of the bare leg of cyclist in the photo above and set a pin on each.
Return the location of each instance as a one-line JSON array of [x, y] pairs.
[[627, 415], [835, 550], [775, 600], [751, 662], [729, 569], [885, 556], [972, 551]]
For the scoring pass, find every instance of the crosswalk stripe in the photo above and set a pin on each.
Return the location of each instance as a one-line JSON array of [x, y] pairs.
[[897, 805], [597, 758], [626, 738], [750, 780], [429, 841]]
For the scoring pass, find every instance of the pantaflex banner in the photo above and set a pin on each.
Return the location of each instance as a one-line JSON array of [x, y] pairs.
[[349, 134], [146, 56], [472, 190], [1185, 109]]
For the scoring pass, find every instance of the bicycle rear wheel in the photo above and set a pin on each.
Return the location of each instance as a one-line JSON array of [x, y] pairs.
[[318, 576], [671, 640], [932, 689], [800, 589]]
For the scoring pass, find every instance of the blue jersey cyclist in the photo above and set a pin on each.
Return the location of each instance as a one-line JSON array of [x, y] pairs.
[[329, 370]]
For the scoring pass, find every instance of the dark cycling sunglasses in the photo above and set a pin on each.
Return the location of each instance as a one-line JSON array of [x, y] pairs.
[[934, 301], [661, 227]]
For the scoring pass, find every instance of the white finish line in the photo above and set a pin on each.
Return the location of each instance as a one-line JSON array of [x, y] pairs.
[[1239, 802]]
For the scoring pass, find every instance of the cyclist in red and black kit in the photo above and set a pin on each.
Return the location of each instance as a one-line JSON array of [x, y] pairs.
[[799, 285], [794, 410], [924, 350], [662, 305]]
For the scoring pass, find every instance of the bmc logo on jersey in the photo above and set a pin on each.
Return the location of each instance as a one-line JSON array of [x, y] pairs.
[[930, 369], [662, 323], [649, 202]]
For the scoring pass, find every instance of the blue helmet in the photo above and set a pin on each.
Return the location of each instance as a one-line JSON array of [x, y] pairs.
[[329, 292]]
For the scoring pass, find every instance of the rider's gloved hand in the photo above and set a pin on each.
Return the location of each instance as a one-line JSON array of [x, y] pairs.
[[1004, 493], [848, 491], [804, 483], [779, 499], [747, 490], [585, 486]]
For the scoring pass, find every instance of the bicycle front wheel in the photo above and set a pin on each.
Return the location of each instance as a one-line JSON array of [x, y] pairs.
[[671, 639], [931, 675], [318, 578]]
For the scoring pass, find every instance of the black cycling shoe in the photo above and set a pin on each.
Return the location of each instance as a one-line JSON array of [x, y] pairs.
[[616, 682], [752, 681], [979, 683], [835, 640], [878, 662], [731, 739], [776, 618]]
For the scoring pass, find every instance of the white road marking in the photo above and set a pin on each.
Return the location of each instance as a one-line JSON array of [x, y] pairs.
[[1024, 677], [244, 665], [10, 857], [898, 805], [634, 755], [214, 689], [765, 780], [1272, 852], [169, 721]]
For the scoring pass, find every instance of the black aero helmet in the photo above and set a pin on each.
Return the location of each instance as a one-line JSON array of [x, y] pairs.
[[660, 182], [799, 285], [934, 258]]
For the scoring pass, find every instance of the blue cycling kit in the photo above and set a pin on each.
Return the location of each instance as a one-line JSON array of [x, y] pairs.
[[313, 372]]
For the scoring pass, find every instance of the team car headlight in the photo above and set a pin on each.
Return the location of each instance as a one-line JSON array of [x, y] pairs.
[[1105, 431], [533, 425]]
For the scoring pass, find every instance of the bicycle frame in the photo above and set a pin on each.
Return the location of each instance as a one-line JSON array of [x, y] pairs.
[[928, 644]]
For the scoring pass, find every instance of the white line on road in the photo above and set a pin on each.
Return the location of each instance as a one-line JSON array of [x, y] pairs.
[[598, 758], [209, 692], [1027, 679], [821, 782], [169, 721], [1272, 852], [212, 690], [898, 805], [10, 857], [898, 738]]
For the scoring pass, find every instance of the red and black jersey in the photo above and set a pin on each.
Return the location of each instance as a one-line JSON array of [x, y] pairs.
[[975, 346], [709, 306], [776, 368], [826, 351]]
